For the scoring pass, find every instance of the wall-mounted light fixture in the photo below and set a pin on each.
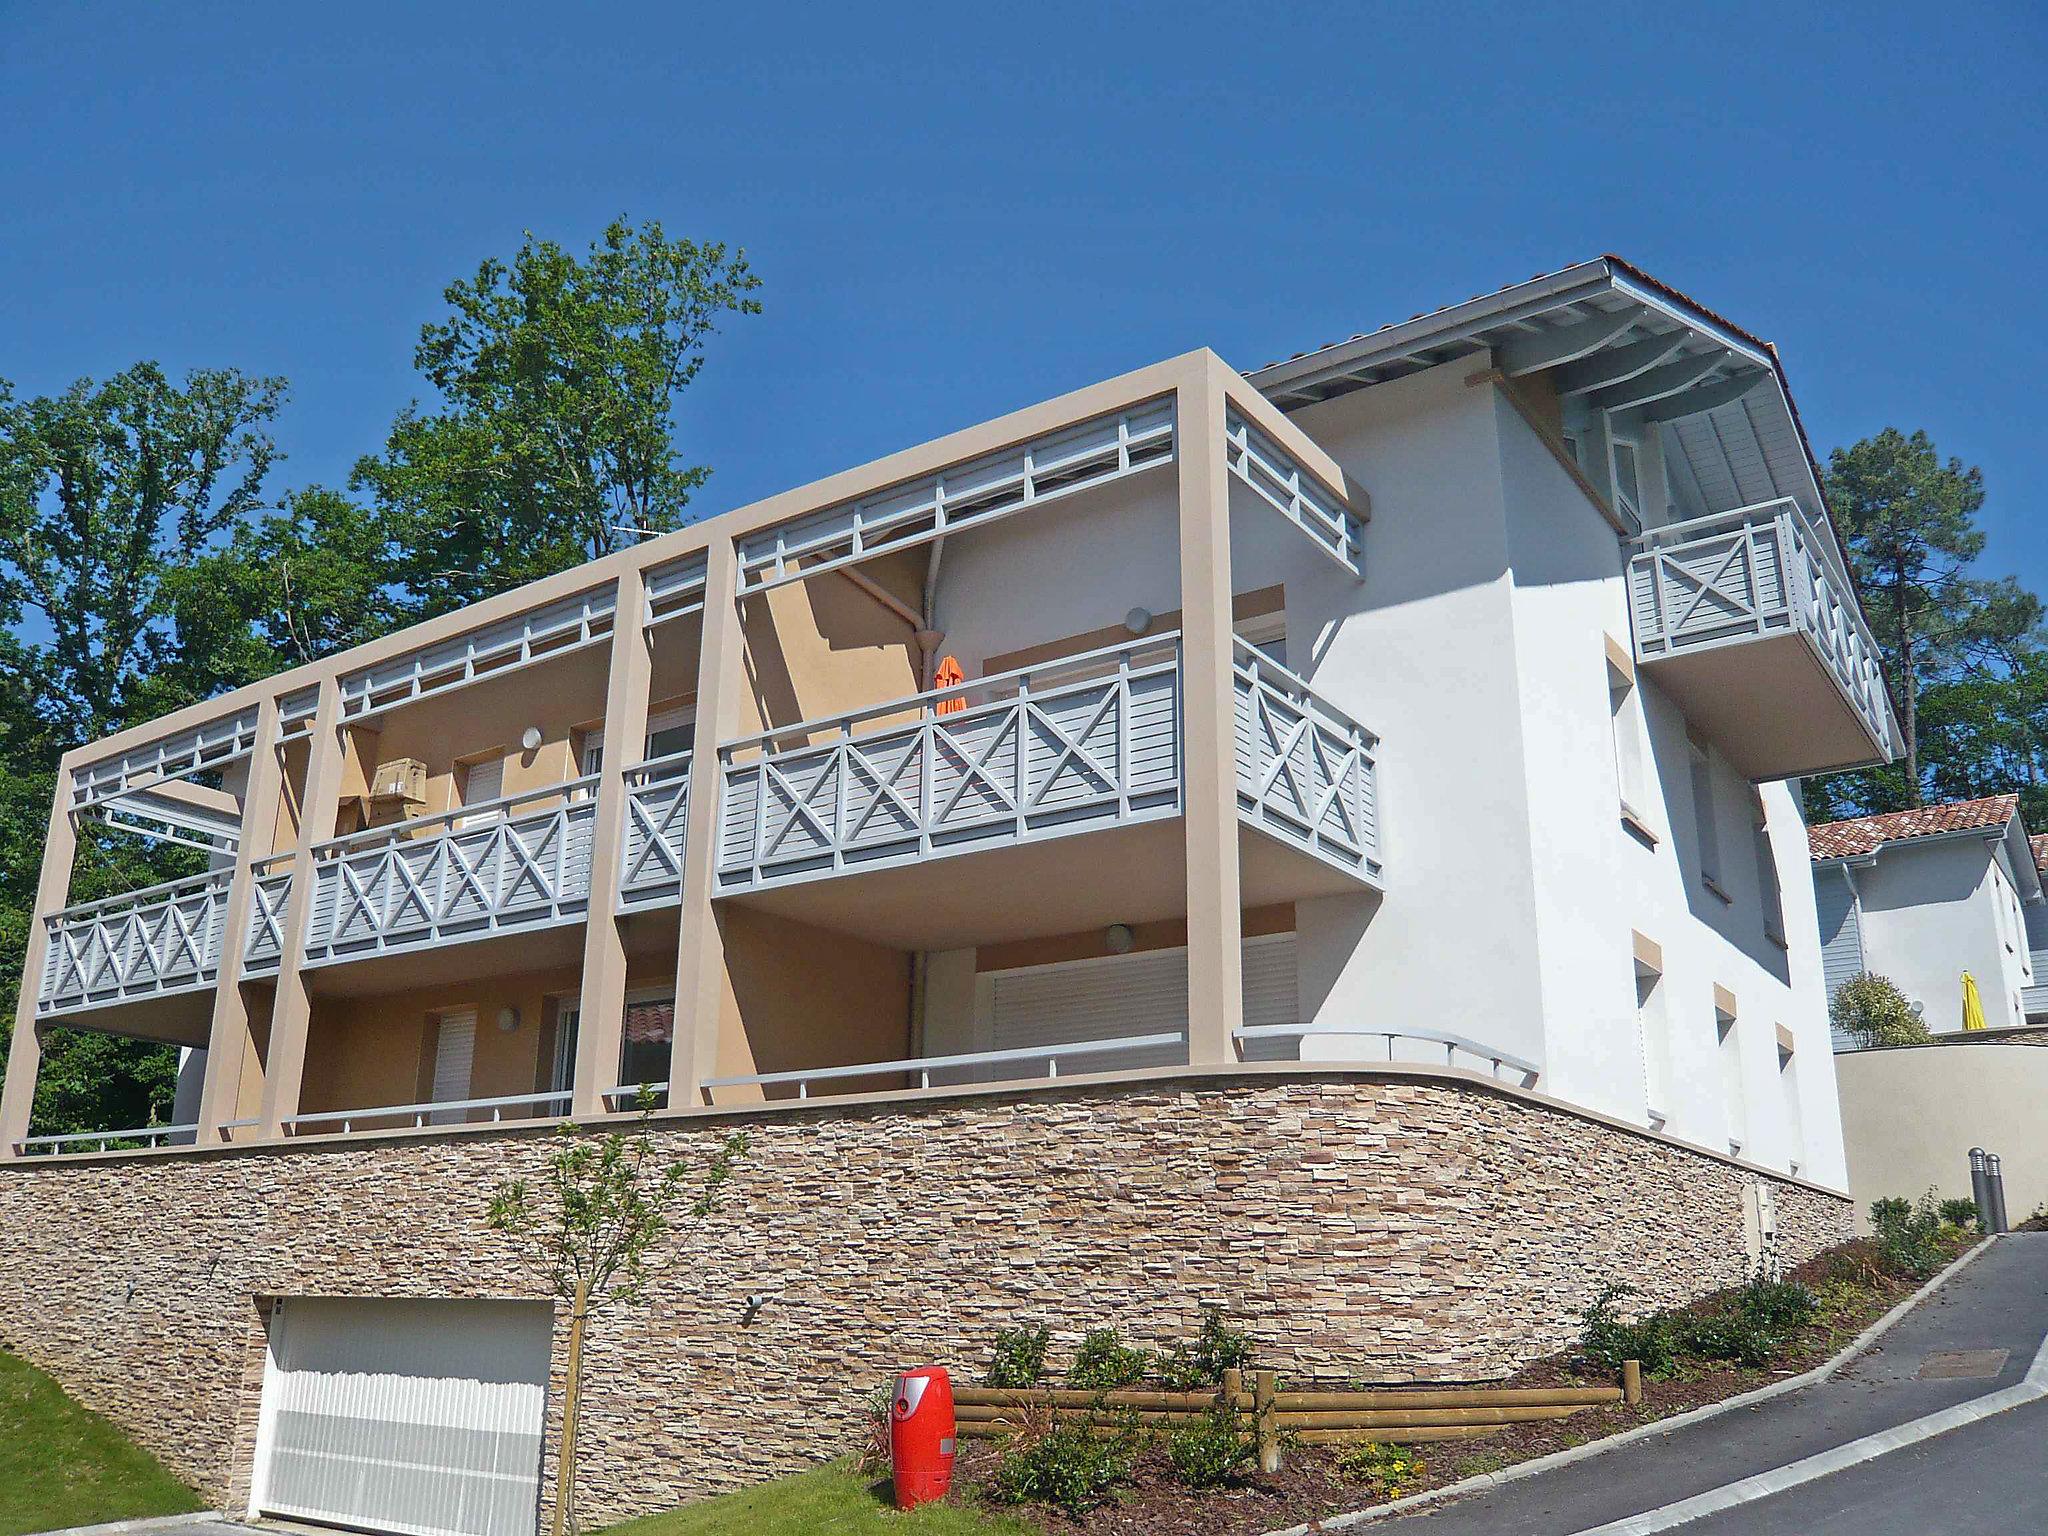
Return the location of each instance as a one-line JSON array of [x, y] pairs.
[[1117, 938], [1138, 620], [508, 1019], [530, 738]]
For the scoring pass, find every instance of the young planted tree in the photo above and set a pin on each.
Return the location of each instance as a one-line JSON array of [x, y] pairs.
[[596, 1227], [554, 440]]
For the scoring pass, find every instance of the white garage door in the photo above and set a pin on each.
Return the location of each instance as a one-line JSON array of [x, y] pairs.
[[422, 1417], [1119, 995]]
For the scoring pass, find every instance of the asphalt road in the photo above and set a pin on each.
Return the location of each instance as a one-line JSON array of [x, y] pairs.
[[1989, 1479], [1999, 1302]]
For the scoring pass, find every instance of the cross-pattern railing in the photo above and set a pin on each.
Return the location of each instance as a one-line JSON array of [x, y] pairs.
[[1305, 770], [162, 939], [1082, 742], [522, 861], [657, 826], [1755, 571], [269, 891]]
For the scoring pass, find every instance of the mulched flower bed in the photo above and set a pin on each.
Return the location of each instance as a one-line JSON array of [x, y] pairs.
[[1854, 1293]]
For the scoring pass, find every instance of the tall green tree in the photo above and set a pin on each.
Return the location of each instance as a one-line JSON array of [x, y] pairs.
[[108, 493], [554, 440], [1910, 523]]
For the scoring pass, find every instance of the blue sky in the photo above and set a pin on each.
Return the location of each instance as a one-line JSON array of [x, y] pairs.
[[959, 210]]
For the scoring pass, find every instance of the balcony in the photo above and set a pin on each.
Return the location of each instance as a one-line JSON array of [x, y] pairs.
[[158, 942], [951, 817], [517, 863], [657, 826], [1747, 621]]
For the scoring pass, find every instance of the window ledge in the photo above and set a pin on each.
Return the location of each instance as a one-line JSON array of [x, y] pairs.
[[1637, 827], [1715, 886]]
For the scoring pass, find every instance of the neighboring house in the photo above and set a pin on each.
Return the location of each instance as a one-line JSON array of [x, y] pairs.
[[1923, 896], [1357, 880]]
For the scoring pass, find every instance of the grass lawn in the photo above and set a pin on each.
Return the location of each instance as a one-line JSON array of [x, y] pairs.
[[60, 1465], [828, 1502]]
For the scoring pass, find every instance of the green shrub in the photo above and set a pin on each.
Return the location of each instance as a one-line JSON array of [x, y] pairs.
[[1782, 1307], [1216, 1348], [1959, 1213], [1070, 1466], [1104, 1363], [1210, 1451], [1909, 1236], [1607, 1338], [1388, 1470], [1872, 1011], [1727, 1335], [1019, 1357]]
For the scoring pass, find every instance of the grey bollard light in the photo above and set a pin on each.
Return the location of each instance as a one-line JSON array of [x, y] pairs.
[[1994, 1181], [1980, 1187]]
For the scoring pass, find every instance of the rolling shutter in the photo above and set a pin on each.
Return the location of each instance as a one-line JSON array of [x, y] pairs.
[[1119, 995], [1841, 933], [421, 1418], [454, 1058]]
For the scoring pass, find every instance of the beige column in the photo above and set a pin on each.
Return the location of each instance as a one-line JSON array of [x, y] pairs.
[[602, 1009], [228, 1037], [700, 957], [1208, 771], [291, 1015], [53, 887]]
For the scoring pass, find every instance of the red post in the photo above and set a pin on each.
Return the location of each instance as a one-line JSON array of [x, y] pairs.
[[921, 1434]]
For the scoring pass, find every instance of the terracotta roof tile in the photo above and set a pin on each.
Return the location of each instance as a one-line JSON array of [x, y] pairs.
[[2040, 846], [1866, 834]]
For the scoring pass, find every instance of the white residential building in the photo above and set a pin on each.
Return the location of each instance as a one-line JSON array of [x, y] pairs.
[[1924, 896]]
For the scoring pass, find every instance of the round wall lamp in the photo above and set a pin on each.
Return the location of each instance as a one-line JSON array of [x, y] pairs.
[[508, 1019], [530, 738], [1138, 620], [1117, 938]]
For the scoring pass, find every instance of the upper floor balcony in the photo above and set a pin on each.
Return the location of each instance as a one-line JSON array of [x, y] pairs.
[[1747, 620]]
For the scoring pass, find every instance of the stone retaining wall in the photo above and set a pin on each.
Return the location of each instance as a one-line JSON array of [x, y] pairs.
[[1395, 1227]]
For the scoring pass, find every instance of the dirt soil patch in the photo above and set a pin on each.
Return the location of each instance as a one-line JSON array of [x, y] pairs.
[[1854, 1292]]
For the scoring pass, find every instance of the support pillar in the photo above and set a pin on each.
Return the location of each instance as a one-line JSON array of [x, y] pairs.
[[700, 956], [53, 887], [228, 1042], [1208, 710], [601, 1013], [291, 1016]]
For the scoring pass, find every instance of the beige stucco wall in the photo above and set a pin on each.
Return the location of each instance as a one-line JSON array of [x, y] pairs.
[[1910, 1116], [1365, 1226], [823, 646]]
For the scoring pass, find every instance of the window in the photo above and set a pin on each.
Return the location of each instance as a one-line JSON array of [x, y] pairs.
[[1628, 488], [562, 1071], [1625, 725], [1705, 832], [1652, 1031], [1572, 449], [668, 732], [1771, 894], [1729, 1046], [1267, 635], [482, 780], [1788, 1085], [646, 1039]]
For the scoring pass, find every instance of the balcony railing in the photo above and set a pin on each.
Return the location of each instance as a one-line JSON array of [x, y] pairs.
[[956, 1070], [1305, 770], [1753, 572], [534, 1106], [657, 826], [1268, 1042], [148, 943], [1083, 742], [269, 893], [522, 861], [141, 1136]]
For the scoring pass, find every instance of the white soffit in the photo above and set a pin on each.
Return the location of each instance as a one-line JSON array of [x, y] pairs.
[[1617, 344]]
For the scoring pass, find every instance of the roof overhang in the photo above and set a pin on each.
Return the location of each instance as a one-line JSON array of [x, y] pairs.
[[1626, 344]]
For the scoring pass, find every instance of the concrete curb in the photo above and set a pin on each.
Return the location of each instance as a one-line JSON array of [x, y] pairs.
[[1555, 1459], [2030, 1389], [148, 1523]]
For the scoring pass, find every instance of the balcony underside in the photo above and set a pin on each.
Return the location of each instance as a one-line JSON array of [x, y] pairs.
[[1770, 703], [1124, 874], [183, 1017]]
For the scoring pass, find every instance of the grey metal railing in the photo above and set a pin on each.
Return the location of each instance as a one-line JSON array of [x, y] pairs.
[[1451, 1044], [1305, 769], [161, 939]]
